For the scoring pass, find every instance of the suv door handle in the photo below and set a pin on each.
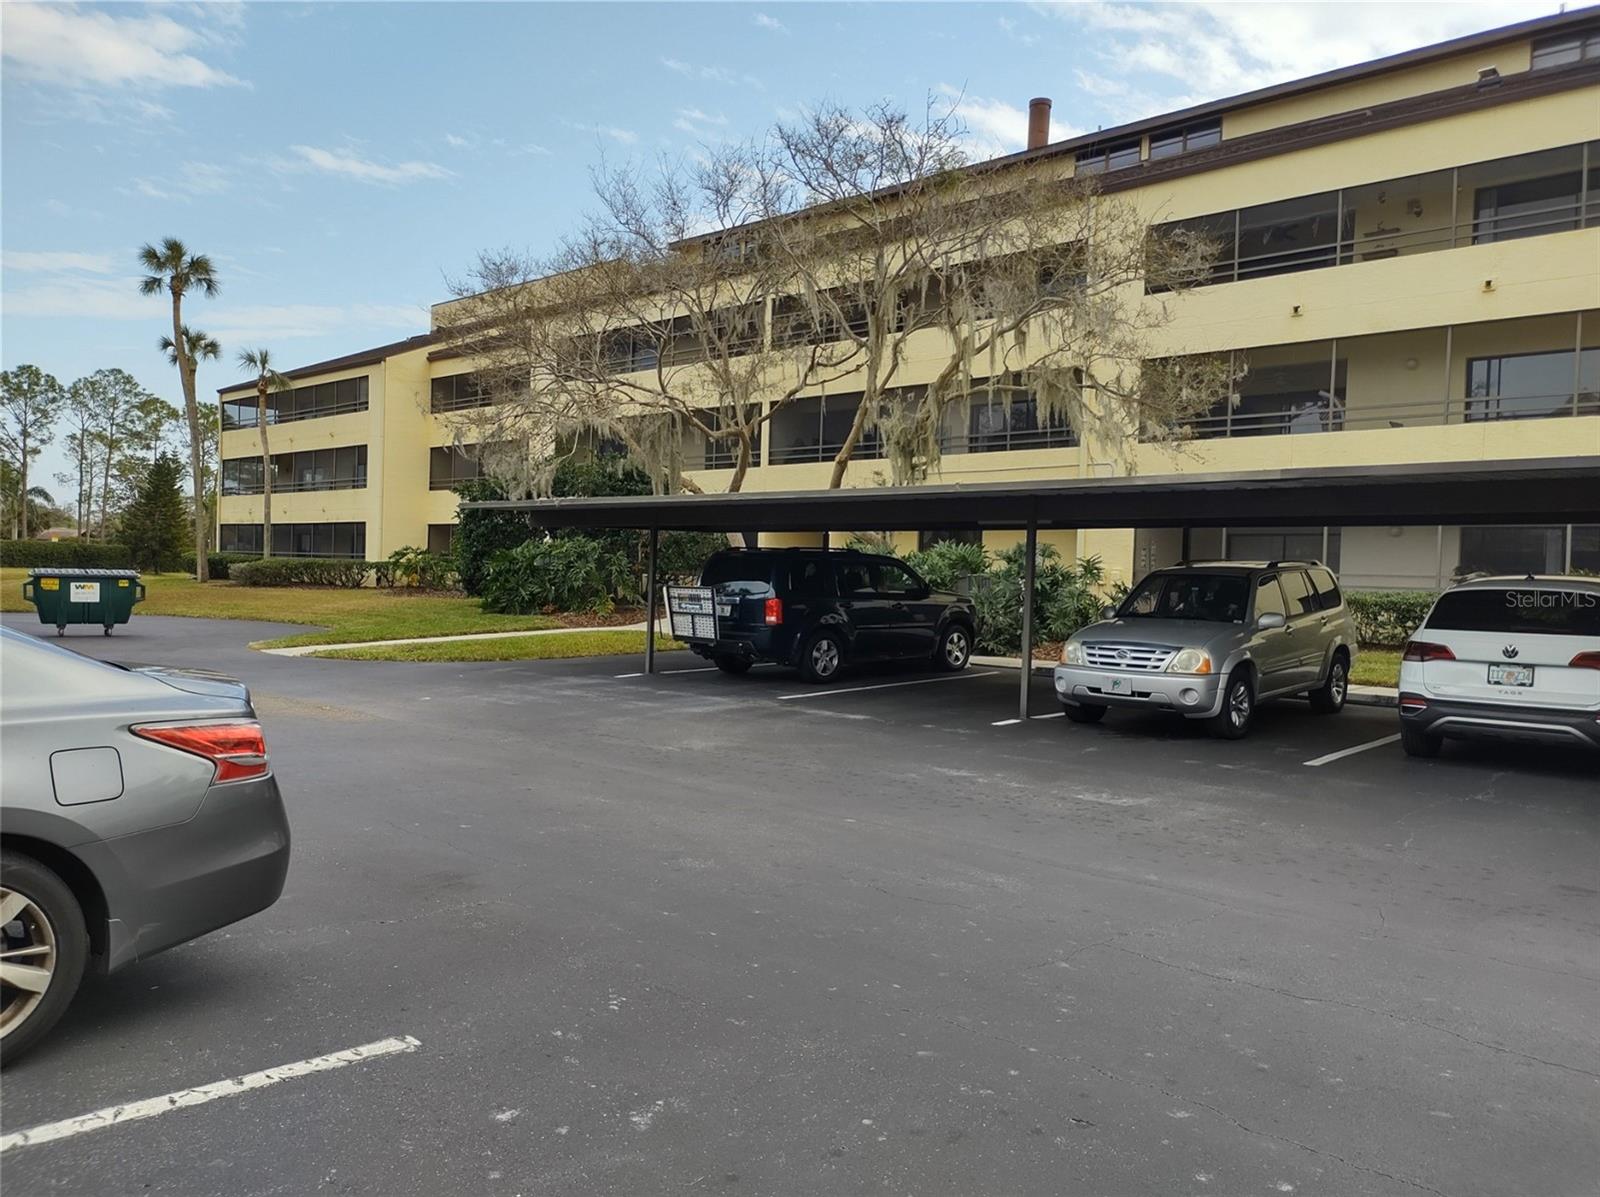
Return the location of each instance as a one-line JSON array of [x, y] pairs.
[[898, 606]]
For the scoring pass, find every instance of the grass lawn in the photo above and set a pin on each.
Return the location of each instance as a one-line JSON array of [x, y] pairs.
[[512, 648], [1376, 667], [347, 615]]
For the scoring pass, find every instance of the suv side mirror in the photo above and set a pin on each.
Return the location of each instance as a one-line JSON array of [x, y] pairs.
[[1271, 620], [1108, 612]]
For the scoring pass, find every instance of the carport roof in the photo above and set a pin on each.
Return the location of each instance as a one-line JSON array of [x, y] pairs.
[[1553, 490]]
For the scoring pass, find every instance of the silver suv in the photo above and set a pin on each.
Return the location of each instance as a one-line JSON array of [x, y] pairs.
[[1209, 640]]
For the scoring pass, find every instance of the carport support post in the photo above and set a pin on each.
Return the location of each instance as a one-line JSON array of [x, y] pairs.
[[650, 604], [1032, 550]]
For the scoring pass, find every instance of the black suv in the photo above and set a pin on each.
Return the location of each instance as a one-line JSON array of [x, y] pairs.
[[817, 609]]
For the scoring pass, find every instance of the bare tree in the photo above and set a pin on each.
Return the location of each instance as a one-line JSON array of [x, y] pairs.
[[172, 269], [259, 363], [835, 252]]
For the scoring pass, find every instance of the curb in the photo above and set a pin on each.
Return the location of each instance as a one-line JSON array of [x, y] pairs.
[[1359, 696], [307, 650]]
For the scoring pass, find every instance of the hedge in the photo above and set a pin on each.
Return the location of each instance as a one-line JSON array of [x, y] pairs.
[[219, 565], [304, 571], [1386, 618], [75, 554]]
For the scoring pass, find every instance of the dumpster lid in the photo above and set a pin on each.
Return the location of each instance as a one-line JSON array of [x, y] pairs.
[[42, 571]]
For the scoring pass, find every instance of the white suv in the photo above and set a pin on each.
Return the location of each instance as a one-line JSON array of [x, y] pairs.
[[1507, 658]]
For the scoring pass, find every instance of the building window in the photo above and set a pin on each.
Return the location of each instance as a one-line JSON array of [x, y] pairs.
[[1003, 414], [343, 468], [302, 403], [1524, 550], [1296, 234], [815, 428], [1526, 196], [1586, 549], [1108, 156], [298, 540], [1169, 143], [1283, 544], [1526, 386], [441, 538], [702, 452], [1566, 48], [456, 392], [449, 465]]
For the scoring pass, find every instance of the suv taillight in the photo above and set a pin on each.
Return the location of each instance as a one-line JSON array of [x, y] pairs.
[[774, 610], [1585, 661], [1421, 650], [238, 750]]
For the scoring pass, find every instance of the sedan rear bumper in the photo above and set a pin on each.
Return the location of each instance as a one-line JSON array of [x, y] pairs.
[[1195, 695], [1483, 720], [172, 884]]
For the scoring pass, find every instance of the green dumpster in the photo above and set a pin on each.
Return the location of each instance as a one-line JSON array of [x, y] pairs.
[[92, 596]]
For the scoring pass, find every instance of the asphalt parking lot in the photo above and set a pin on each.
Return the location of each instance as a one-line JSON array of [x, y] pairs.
[[708, 934]]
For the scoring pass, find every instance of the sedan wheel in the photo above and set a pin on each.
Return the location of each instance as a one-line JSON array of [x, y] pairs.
[[43, 948]]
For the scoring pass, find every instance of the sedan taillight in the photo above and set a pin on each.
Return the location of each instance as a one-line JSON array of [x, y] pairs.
[[1585, 661], [238, 750], [1421, 650]]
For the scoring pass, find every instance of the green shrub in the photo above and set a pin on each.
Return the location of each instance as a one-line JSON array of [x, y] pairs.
[[480, 535], [302, 571], [1386, 618], [1066, 597], [219, 565], [681, 555], [65, 554], [567, 573], [949, 564], [411, 566]]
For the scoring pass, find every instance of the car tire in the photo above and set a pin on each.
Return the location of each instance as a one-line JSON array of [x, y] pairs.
[[1083, 712], [43, 915], [1238, 711], [822, 656], [1328, 699], [955, 648], [1417, 742], [734, 665]]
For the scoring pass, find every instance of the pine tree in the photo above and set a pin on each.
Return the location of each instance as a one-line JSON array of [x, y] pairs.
[[155, 525]]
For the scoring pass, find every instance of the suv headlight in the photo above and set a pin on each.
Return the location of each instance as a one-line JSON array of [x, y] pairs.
[[1190, 660], [1072, 653]]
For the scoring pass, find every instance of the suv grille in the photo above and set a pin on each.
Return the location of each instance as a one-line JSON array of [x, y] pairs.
[[1149, 658]]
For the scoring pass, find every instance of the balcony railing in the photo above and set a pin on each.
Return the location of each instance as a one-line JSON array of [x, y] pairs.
[[1335, 416], [868, 448]]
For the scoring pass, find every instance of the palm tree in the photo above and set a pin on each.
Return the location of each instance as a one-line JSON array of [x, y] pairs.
[[173, 269], [194, 347], [259, 362]]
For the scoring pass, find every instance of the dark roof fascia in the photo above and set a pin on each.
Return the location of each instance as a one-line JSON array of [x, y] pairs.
[[363, 357], [1561, 490]]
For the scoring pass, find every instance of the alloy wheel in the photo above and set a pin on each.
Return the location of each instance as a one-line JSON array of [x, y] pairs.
[[824, 657], [1337, 684], [27, 958], [956, 649], [1239, 704]]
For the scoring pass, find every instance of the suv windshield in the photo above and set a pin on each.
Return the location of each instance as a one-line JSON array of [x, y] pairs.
[[1213, 598], [1520, 610]]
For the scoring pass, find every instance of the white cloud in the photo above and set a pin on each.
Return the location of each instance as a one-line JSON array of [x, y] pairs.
[[625, 136], [994, 127], [763, 21], [1010, 29], [699, 122], [56, 261], [65, 45], [1213, 49], [712, 74], [263, 323], [350, 165], [457, 142], [187, 181]]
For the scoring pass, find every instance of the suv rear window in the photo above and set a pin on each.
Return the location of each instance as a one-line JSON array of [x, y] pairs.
[[1526, 610], [1212, 598], [753, 569]]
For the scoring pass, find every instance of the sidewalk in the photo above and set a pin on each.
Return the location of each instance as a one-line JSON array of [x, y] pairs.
[[1359, 696]]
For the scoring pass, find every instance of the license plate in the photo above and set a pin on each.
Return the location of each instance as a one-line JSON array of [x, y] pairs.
[[1511, 675], [724, 609], [1116, 685]]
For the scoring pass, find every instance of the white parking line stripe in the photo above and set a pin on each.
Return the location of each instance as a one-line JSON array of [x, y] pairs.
[[1344, 752], [921, 681], [627, 675], [150, 1107], [1010, 722], [1004, 722]]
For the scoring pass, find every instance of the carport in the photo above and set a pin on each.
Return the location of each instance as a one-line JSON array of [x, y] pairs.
[[1551, 490]]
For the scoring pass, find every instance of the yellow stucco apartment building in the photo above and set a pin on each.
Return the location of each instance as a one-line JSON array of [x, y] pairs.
[[1411, 268]]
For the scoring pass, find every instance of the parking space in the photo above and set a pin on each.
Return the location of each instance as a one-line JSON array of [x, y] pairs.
[[682, 932]]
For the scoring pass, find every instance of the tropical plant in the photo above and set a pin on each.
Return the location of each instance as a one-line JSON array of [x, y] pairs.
[[155, 524], [480, 535], [171, 268], [1066, 597], [259, 363], [30, 401], [413, 566], [949, 564], [574, 573]]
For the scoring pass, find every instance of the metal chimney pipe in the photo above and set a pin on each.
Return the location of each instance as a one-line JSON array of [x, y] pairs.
[[1038, 122]]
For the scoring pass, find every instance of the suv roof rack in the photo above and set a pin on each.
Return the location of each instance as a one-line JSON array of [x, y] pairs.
[[1293, 561]]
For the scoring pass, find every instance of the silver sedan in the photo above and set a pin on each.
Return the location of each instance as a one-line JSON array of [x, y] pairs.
[[138, 810]]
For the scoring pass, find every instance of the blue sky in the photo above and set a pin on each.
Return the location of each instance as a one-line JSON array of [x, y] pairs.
[[342, 161]]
